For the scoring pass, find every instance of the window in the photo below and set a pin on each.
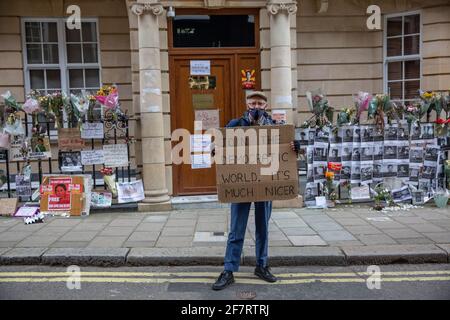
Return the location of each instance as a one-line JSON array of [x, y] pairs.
[[402, 56], [59, 59], [214, 31]]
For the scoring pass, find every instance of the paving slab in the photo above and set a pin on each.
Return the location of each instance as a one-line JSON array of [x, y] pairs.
[[176, 256], [389, 254], [441, 237], [21, 256], [8, 244], [37, 241], [307, 240], [294, 256], [138, 244], [79, 236], [339, 235], [108, 242], [3, 250], [426, 228], [144, 236], [116, 231], [85, 256], [362, 230], [375, 239], [70, 244], [298, 231], [286, 223], [403, 233], [325, 226], [13, 236], [177, 231], [351, 221]]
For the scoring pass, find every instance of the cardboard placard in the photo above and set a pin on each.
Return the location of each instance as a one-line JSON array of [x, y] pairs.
[[101, 199], [244, 181], [130, 191], [116, 155], [70, 139], [8, 206]]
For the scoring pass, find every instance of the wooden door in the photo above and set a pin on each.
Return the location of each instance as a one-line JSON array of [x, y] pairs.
[[188, 96]]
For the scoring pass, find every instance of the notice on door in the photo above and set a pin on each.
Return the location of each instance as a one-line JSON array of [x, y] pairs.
[[200, 67]]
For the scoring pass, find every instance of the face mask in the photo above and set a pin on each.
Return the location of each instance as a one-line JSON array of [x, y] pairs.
[[255, 113]]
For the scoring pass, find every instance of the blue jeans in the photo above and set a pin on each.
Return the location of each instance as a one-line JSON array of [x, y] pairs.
[[238, 225]]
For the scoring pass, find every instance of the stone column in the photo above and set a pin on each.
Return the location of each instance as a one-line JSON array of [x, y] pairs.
[[151, 113], [280, 12]]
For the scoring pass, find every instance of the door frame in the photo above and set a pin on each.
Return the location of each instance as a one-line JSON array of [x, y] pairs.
[[194, 53]]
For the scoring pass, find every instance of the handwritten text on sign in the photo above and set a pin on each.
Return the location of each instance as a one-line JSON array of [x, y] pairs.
[[115, 155], [244, 181]]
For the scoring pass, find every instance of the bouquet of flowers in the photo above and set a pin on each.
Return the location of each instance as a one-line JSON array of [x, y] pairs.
[[110, 179], [434, 101], [11, 103], [79, 106], [108, 96], [345, 117], [318, 105], [382, 194], [361, 100], [380, 107], [441, 127], [53, 104], [330, 186]]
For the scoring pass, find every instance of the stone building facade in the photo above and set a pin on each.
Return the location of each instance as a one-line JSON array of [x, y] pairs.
[[301, 45]]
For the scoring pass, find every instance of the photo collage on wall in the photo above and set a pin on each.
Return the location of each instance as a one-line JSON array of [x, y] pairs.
[[368, 156]]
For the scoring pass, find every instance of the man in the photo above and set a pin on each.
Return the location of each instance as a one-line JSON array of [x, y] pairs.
[[40, 146], [254, 116]]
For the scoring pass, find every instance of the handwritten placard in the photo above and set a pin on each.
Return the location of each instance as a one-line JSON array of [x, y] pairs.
[[91, 157], [70, 139], [115, 155], [92, 130]]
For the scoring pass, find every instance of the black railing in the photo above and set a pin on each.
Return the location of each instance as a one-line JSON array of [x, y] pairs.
[[116, 130]]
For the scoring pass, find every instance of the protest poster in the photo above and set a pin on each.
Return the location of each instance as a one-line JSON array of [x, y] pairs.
[[19, 149], [92, 130], [360, 193], [70, 161], [401, 195], [70, 139], [130, 191], [23, 186], [92, 157], [115, 155], [101, 199], [261, 169], [61, 193], [311, 192], [40, 148]]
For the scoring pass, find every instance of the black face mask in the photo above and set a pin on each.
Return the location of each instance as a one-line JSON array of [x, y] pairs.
[[255, 113]]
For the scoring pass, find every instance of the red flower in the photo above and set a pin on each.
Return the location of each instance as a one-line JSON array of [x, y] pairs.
[[440, 121], [334, 166]]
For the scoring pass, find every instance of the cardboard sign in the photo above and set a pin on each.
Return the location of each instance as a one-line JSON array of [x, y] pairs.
[[243, 177], [16, 152], [70, 139], [130, 191], [209, 118], [116, 155], [91, 157], [92, 130], [200, 67], [8, 206]]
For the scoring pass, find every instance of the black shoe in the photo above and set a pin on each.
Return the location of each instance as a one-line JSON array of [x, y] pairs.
[[264, 273], [225, 279]]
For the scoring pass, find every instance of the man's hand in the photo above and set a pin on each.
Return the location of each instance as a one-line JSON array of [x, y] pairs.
[[295, 146]]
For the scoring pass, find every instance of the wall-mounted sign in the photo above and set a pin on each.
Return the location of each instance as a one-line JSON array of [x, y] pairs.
[[200, 67], [202, 101], [209, 118], [248, 79], [115, 155], [70, 139], [202, 82]]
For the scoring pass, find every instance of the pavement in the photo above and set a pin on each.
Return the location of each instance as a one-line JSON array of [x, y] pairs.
[[345, 235]]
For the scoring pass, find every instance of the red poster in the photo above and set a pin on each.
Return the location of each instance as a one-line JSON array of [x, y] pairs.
[[59, 198]]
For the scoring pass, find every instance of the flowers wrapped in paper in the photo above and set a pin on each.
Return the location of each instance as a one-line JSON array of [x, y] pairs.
[[380, 107], [110, 179], [318, 105], [78, 106], [11, 103]]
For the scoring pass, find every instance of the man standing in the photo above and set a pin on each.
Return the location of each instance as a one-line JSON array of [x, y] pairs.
[[254, 115]]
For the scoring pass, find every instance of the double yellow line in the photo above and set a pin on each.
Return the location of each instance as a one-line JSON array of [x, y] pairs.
[[210, 277]]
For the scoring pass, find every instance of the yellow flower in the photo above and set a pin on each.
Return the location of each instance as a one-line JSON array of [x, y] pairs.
[[329, 175]]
